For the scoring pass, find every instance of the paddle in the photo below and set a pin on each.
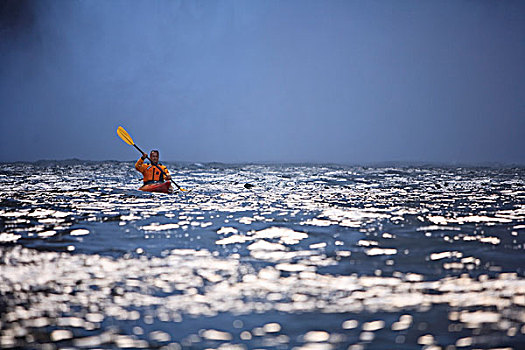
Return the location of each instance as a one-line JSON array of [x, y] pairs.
[[123, 134]]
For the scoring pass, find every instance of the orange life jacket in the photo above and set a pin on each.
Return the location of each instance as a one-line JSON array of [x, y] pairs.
[[150, 171]]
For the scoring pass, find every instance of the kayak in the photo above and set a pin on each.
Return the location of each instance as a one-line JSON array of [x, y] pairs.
[[163, 187]]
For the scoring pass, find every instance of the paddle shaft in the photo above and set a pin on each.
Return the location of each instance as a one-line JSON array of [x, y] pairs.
[[162, 171]]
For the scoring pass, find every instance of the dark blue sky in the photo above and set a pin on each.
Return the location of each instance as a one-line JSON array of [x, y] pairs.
[[294, 81]]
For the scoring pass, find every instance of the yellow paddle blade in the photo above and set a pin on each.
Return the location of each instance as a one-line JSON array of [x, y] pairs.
[[125, 136]]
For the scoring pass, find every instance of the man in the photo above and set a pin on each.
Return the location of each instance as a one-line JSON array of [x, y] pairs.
[[151, 172]]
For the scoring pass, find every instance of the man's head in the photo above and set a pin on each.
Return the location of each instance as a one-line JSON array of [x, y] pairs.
[[154, 156]]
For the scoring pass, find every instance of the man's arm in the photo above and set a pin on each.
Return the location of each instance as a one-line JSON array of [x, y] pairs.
[[139, 165], [167, 172]]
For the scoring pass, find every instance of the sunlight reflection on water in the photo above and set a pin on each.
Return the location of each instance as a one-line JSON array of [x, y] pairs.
[[412, 256]]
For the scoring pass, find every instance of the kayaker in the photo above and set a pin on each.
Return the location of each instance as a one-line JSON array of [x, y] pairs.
[[151, 172]]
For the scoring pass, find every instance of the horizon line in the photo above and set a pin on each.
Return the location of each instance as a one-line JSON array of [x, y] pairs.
[[384, 163]]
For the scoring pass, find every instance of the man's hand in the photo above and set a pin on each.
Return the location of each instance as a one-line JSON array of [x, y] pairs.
[[168, 177], [144, 156]]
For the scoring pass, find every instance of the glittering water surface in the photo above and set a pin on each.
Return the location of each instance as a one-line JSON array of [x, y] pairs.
[[310, 257]]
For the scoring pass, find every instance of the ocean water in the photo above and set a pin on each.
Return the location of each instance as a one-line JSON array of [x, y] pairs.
[[262, 257]]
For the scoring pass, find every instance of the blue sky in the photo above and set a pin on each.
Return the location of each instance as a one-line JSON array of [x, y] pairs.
[[251, 81]]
